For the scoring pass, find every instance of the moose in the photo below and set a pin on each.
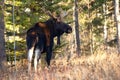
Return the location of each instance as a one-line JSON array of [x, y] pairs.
[[40, 39]]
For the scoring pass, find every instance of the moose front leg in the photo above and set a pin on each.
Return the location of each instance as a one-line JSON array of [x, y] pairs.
[[48, 55], [58, 40], [49, 52]]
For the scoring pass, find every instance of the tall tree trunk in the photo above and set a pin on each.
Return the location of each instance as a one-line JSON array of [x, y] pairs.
[[77, 37], [117, 21], [90, 29], [2, 40], [105, 11]]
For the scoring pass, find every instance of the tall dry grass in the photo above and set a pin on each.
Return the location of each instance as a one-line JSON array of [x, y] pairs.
[[99, 66]]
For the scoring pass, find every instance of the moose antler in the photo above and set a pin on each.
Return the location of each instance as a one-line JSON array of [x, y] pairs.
[[48, 13], [63, 13], [58, 16]]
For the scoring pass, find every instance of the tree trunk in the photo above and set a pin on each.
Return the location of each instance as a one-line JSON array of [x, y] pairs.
[[105, 11], [117, 21], [77, 37], [2, 40], [90, 29]]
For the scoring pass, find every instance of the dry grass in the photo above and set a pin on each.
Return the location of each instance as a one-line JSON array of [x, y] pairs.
[[102, 66]]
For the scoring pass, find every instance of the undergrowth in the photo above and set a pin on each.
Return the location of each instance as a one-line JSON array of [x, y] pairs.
[[99, 66]]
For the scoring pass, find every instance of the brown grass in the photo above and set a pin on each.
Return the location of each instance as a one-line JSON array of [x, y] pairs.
[[101, 66]]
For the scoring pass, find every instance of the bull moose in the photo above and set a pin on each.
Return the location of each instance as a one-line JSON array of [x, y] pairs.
[[40, 39]]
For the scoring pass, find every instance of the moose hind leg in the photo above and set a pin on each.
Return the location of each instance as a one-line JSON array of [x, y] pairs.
[[30, 55], [36, 58]]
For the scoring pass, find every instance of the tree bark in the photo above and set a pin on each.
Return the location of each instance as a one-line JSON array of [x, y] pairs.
[[105, 11], [2, 39], [117, 21], [77, 37], [90, 29]]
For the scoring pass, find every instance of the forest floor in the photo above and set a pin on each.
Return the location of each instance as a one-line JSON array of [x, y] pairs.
[[101, 66]]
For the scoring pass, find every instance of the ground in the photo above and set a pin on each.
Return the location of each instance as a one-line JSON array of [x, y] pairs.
[[101, 66]]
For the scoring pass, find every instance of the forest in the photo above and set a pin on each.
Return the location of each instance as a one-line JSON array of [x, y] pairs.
[[90, 52]]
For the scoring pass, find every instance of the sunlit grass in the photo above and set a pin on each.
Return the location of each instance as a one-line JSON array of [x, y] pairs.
[[98, 66]]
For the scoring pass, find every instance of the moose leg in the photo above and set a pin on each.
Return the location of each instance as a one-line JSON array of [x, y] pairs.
[[36, 58], [58, 40], [49, 52], [48, 56], [30, 55]]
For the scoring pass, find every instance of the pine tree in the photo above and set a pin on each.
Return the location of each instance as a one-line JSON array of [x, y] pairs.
[[77, 39], [2, 40]]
